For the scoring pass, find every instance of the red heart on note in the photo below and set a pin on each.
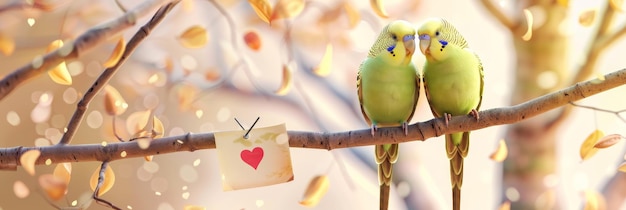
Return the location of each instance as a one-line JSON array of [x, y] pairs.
[[252, 158]]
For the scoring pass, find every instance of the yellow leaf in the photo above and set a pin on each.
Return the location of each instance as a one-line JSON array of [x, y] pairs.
[[617, 5], [500, 154], [287, 9], [116, 54], [587, 17], [28, 160], [353, 14], [7, 45], [114, 103], [286, 82], [607, 141], [622, 167], [505, 206], [59, 74], [63, 171], [107, 184], [262, 8], [377, 6], [529, 21], [594, 200], [194, 37], [318, 186], [586, 149], [323, 69], [190, 207], [20, 189], [54, 187], [564, 3]]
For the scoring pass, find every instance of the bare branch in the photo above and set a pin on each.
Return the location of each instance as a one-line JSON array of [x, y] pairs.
[[108, 73], [101, 177], [498, 14], [87, 41], [317, 140]]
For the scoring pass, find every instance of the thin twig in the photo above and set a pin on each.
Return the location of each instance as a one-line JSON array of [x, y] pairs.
[[108, 73], [323, 140], [101, 177], [616, 113], [496, 12], [85, 42]]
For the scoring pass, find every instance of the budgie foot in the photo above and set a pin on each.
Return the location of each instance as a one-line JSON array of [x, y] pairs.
[[374, 129], [474, 113], [447, 117], [405, 128]]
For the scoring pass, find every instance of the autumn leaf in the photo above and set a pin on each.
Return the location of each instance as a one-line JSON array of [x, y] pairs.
[[114, 103], [262, 8], [286, 82], [194, 37], [617, 5], [63, 171], [323, 69], [107, 184], [587, 149], [287, 9], [20, 189], [318, 186], [54, 187], [501, 153], [28, 159], [529, 25], [587, 17], [594, 200], [116, 54], [607, 141], [379, 9], [353, 14]]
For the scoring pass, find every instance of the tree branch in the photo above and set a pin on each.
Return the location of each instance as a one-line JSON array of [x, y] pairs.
[[498, 14], [87, 41], [108, 73], [9, 157]]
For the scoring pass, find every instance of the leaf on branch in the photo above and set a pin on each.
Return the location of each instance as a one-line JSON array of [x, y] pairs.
[[617, 5], [318, 186], [7, 45], [54, 187], [114, 103], [529, 24], [323, 69], [501, 153], [252, 40], [262, 8], [63, 171], [116, 54], [607, 141], [287, 9], [587, 17], [587, 149], [594, 200], [107, 184], [28, 160], [59, 74], [285, 86], [379, 9], [20, 189], [194, 37]]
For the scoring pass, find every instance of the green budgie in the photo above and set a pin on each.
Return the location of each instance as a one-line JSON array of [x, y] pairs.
[[453, 82], [388, 88]]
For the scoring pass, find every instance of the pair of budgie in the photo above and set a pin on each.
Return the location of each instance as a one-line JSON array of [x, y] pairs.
[[388, 89]]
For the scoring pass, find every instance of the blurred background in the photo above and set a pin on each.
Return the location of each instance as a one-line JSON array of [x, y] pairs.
[[203, 89]]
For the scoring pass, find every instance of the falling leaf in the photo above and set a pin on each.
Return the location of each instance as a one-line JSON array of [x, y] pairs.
[[617, 5], [144, 124], [505, 206], [252, 40], [564, 3], [116, 54], [7, 45], [323, 69], [377, 6], [607, 141], [529, 21], [622, 167], [501, 153], [262, 8], [28, 160], [594, 200], [107, 184], [190, 207], [317, 188], [587, 17], [59, 74], [20, 189], [353, 14], [54, 187], [286, 82], [194, 37], [63, 171], [287, 9], [586, 149], [114, 103]]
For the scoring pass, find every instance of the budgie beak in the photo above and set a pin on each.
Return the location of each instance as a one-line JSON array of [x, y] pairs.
[[409, 44], [425, 44]]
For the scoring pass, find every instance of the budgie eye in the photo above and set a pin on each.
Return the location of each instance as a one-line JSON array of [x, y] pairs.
[[394, 37], [437, 33]]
